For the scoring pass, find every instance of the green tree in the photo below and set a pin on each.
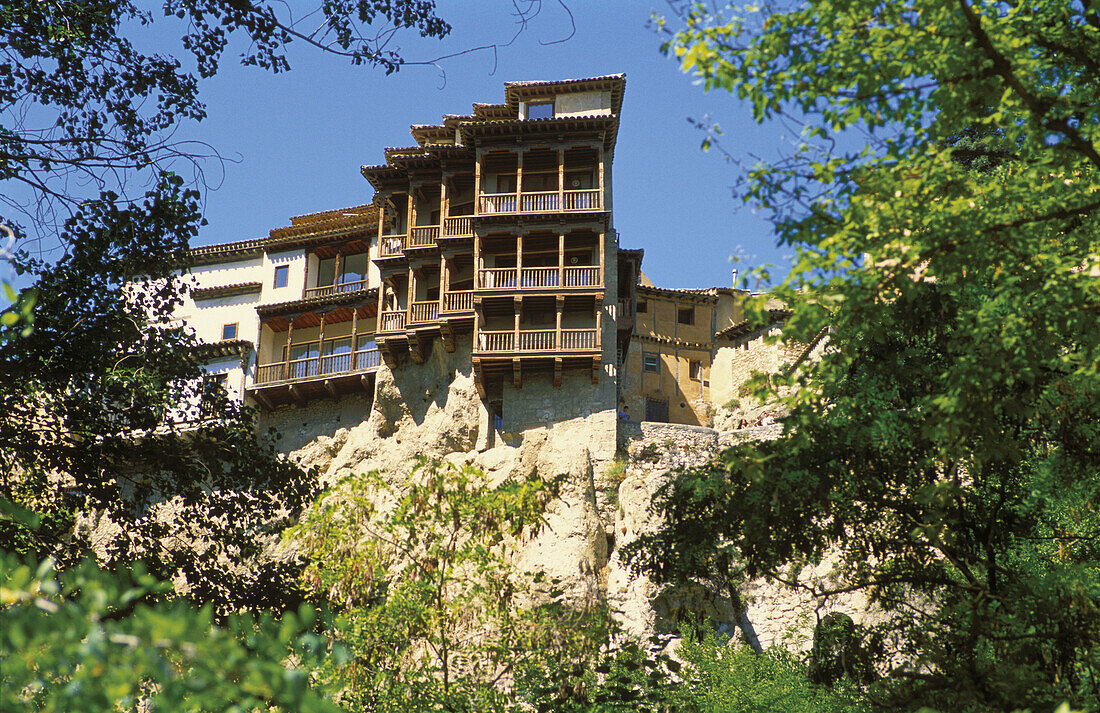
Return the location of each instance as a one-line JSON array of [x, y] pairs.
[[432, 608], [87, 641], [87, 142], [945, 447]]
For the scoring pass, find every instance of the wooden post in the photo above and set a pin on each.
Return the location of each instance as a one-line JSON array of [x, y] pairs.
[[444, 209], [477, 181], [560, 304], [561, 260], [442, 282], [354, 338], [410, 212], [517, 307], [336, 271], [382, 285], [519, 261], [600, 194], [519, 180], [561, 179], [603, 278], [321, 343], [477, 261], [412, 294], [289, 333]]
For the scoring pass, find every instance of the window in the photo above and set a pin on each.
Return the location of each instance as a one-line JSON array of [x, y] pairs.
[[540, 110], [694, 370], [229, 331], [282, 276], [650, 363], [221, 381], [685, 315], [643, 306], [656, 410]]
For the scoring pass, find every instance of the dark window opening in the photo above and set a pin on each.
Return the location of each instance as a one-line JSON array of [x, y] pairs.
[[685, 315], [282, 276], [229, 331], [656, 410], [643, 306], [540, 110], [694, 370], [651, 363]]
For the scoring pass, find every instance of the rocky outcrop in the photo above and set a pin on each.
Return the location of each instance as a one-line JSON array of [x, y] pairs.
[[433, 411]]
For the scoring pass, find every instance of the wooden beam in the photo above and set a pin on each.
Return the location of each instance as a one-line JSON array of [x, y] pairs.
[[517, 373], [263, 400], [595, 370], [296, 393], [365, 380], [330, 388], [557, 371], [479, 378]]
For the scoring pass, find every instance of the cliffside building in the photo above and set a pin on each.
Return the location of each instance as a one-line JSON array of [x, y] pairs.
[[494, 237]]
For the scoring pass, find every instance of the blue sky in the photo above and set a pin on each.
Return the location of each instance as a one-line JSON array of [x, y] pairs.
[[296, 140]]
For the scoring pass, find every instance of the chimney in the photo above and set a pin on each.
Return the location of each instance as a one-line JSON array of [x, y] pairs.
[[735, 278]]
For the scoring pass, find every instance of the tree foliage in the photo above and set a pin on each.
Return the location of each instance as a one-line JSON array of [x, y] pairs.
[[85, 641], [434, 610], [945, 447]]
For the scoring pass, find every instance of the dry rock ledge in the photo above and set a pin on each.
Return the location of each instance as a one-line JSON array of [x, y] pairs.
[[433, 410]]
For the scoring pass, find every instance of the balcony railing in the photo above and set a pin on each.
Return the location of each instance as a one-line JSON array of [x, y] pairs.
[[539, 277], [504, 278], [588, 199], [497, 278], [391, 320], [323, 290], [423, 236], [496, 341], [575, 340], [542, 202], [460, 301], [316, 367], [391, 245], [423, 312], [498, 203], [538, 340], [458, 227], [582, 276]]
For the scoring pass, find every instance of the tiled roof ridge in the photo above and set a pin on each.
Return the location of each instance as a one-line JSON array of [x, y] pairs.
[[747, 326]]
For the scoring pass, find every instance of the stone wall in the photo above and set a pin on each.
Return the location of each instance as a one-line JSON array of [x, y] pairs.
[[298, 425]]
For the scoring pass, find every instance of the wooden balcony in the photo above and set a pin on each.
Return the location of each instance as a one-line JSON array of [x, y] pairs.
[[458, 227], [539, 278], [298, 370], [422, 312], [392, 245], [538, 341], [423, 236], [458, 301], [391, 320], [325, 290], [540, 202]]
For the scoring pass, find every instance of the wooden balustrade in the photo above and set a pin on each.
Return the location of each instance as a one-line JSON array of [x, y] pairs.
[[573, 340], [587, 276], [391, 320], [391, 245], [423, 236], [495, 341], [497, 278], [498, 203], [324, 290], [459, 301], [313, 367], [541, 202], [539, 277], [588, 199], [459, 227], [536, 340], [423, 312]]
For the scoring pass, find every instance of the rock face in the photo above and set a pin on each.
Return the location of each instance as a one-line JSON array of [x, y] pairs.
[[433, 410]]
